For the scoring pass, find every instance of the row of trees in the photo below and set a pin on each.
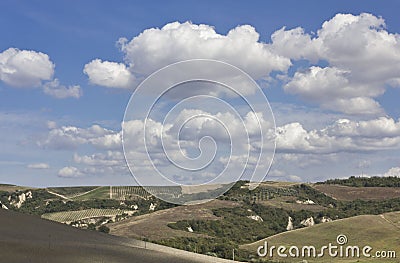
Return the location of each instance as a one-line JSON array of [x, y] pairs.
[[375, 181]]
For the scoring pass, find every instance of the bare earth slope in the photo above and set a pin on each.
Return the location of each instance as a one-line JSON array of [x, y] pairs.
[[26, 238]]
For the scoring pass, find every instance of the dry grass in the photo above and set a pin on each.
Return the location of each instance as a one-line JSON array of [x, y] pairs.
[[13, 188], [378, 231], [347, 193]]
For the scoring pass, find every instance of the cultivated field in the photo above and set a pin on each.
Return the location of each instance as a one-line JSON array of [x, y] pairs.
[[347, 193], [71, 216], [128, 192], [111, 192]]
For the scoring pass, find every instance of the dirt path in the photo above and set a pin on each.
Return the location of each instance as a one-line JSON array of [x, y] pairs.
[[59, 195], [390, 222], [80, 194]]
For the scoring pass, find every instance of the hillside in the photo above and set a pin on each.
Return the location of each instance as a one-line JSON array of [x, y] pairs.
[[154, 226], [27, 238], [381, 232], [350, 193]]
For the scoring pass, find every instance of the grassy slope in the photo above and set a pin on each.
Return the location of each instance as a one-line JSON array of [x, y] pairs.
[[102, 192], [13, 188], [382, 232]]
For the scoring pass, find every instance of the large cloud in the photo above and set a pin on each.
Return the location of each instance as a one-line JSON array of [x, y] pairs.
[[25, 68], [31, 69], [383, 127], [296, 144], [342, 136], [155, 48], [331, 88], [362, 59], [71, 137]]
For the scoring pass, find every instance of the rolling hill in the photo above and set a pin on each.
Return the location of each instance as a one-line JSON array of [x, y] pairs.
[[27, 238], [154, 226], [381, 232]]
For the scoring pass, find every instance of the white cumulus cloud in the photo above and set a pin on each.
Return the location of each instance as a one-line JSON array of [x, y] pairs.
[[155, 48], [70, 137], [31, 69], [342, 136], [363, 59], [331, 88], [109, 74], [25, 68], [69, 172]]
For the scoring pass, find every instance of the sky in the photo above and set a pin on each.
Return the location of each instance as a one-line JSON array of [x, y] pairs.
[[330, 72]]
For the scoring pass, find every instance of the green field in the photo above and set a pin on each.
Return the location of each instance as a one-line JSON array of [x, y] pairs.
[[381, 232], [71, 216]]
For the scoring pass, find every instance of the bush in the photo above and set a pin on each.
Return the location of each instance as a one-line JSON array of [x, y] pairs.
[[104, 229]]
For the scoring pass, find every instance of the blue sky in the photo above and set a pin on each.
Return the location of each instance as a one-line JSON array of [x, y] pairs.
[[335, 103]]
